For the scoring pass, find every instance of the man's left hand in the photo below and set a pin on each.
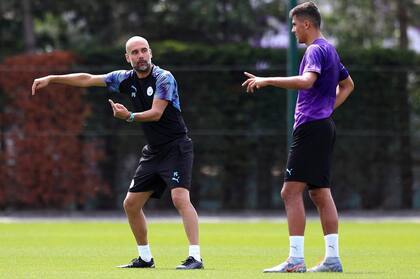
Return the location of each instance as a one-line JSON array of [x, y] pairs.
[[120, 111]]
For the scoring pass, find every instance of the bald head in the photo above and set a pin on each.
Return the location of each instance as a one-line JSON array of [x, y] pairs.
[[139, 55], [134, 41]]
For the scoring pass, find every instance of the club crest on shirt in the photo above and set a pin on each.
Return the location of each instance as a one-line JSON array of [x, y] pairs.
[[149, 91]]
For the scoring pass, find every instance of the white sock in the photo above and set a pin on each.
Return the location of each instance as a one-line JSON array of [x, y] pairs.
[[331, 245], [194, 251], [144, 252], [296, 246]]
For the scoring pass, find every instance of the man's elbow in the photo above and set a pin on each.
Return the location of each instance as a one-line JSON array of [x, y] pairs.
[[347, 85], [157, 115], [351, 85]]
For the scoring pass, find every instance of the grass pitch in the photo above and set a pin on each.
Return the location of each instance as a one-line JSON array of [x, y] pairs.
[[230, 250]]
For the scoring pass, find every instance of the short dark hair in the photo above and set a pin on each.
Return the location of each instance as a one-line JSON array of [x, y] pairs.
[[308, 10]]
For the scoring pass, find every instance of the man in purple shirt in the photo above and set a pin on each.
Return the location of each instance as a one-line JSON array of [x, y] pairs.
[[323, 84]]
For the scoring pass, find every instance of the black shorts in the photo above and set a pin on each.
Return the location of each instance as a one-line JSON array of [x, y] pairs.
[[163, 166], [311, 153]]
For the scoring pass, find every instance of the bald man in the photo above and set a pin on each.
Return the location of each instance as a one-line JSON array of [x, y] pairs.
[[166, 160]]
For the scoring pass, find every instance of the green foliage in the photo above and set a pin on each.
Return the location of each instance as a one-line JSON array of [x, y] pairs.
[[361, 23], [73, 24], [369, 126], [367, 24], [242, 137], [206, 45], [226, 124]]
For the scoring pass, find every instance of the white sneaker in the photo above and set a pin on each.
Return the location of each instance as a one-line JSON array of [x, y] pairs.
[[292, 264], [330, 264]]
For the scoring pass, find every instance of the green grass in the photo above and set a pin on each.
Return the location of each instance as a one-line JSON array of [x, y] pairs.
[[230, 250]]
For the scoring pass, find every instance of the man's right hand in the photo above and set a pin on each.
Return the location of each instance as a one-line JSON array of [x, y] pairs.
[[40, 83]]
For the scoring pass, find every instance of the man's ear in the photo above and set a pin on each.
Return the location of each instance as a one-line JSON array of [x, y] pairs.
[[306, 23], [151, 54], [127, 58]]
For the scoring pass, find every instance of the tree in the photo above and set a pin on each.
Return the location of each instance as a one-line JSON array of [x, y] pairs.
[[375, 23], [77, 24], [28, 26], [356, 23], [45, 162], [406, 160]]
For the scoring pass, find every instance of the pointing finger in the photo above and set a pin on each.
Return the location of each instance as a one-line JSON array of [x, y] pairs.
[[249, 75]]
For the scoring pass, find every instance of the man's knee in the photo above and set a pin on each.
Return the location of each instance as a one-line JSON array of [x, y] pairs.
[[130, 204], [314, 195], [134, 202], [320, 196], [285, 194], [180, 198], [292, 190]]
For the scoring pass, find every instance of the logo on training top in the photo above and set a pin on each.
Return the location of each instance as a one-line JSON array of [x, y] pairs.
[[132, 184], [149, 91], [175, 177], [289, 171], [133, 93]]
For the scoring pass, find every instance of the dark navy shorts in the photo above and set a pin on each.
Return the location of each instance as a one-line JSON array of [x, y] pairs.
[[310, 154], [169, 165]]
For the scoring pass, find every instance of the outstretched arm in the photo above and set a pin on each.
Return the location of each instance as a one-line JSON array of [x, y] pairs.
[[304, 81], [78, 79], [153, 114], [344, 88]]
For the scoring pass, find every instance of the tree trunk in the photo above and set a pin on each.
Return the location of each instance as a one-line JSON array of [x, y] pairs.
[[28, 27], [402, 20], [406, 161]]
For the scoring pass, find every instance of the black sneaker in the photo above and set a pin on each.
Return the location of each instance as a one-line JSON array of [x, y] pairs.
[[191, 263], [139, 263]]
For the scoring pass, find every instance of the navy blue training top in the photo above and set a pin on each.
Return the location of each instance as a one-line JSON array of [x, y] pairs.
[[159, 84]]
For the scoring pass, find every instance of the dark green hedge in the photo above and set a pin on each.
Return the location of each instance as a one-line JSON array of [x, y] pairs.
[[240, 139]]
